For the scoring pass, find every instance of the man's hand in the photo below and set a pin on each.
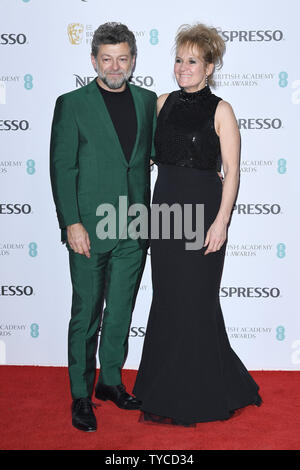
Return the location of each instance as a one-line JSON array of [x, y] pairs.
[[220, 176], [78, 239]]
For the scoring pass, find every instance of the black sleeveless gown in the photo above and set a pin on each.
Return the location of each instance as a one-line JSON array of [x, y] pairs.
[[188, 371]]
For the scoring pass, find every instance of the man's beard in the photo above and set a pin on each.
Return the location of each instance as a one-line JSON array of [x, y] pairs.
[[114, 84]]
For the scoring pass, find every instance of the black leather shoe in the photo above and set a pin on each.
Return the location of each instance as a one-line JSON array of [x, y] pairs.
[[118, 395], [83, 417], [258, 401]]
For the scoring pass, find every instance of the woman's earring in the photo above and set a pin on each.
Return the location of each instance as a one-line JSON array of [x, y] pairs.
[[206, 80]]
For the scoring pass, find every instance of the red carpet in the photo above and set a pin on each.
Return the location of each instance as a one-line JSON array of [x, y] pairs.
[[35, 415]]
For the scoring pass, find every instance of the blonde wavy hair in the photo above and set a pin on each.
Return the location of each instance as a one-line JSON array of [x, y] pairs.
[[207, 41]]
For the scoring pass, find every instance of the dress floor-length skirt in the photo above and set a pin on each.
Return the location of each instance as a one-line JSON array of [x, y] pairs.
[[188, 371]]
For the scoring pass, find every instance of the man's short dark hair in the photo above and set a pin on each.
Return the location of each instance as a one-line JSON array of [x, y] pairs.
[[113, 33]]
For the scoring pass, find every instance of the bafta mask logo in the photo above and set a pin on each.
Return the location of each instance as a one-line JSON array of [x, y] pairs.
[[75, 33]]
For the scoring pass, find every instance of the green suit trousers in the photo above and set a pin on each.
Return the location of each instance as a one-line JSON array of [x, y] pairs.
[[114, 278]]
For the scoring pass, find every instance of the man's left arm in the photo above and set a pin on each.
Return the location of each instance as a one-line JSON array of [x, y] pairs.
[[153, 128]]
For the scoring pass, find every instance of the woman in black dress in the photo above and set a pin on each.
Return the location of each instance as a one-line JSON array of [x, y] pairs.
[[188, 371]]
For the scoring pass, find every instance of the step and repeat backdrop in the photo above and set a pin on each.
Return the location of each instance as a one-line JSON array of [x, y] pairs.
[[45, 51]]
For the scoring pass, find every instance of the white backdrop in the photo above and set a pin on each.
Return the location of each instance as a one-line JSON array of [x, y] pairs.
[[260, 78]]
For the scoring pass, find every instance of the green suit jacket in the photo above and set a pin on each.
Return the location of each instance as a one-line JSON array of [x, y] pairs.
[[87, 164]]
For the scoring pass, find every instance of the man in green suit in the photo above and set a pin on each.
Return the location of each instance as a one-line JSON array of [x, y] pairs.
[[101, 144]]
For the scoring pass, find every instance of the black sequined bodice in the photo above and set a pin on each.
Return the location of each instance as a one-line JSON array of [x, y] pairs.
[[185, 133]]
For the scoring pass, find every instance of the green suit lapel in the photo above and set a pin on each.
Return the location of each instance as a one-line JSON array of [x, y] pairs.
[[138, 109]]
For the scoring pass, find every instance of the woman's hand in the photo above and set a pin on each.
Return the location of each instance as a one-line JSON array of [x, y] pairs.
[[228, 132], [215, 237]]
